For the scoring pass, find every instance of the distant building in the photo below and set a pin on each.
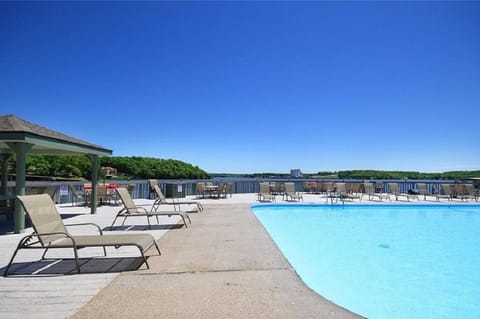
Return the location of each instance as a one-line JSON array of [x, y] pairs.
[[296, 173], [109, 172]]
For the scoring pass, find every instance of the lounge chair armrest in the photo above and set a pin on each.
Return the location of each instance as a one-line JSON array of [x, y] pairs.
[[87, 224], [26, 241], [143, 208], [53, 233]]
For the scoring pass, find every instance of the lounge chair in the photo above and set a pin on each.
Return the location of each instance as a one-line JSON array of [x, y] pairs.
[[446, 191], [206, 189], [345, 191], [277, 188], [50, 232], [78, 197], [463, 191], [336, 192], [130, 210], [395, 191], [161, 199], [291, 194], [370, 191], [354, 190], [470, 192], [264, 194], [423, 191], [200, 189], [224, 189]]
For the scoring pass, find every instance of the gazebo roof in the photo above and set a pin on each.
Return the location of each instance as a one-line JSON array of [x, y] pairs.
[[44, 140]]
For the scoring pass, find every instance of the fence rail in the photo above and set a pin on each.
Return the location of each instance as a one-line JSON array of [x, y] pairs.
[[141, 188]]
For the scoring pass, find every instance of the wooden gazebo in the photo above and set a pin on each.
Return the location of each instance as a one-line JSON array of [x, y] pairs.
[[19, 137]]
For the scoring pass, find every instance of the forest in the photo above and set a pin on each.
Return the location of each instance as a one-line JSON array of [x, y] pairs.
[[374, 174], [79, 167], [136, 167]]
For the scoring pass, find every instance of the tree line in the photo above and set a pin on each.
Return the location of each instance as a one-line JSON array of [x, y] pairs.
[[374, 174], [135, 167], [364, 174], [149, 167]]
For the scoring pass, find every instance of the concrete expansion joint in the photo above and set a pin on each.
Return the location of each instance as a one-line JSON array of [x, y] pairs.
[[213, 271]]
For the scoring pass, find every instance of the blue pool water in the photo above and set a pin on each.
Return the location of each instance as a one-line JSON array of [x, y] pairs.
[[394, 262]]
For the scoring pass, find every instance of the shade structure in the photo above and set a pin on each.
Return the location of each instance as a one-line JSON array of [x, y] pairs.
[[20, 137]]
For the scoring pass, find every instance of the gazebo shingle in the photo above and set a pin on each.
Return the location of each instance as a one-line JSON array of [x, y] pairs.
[[13, 127]]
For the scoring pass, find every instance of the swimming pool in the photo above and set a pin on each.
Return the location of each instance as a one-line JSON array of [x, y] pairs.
[[384, 261]]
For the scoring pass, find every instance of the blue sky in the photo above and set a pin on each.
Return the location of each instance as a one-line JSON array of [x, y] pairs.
[[252, 86]]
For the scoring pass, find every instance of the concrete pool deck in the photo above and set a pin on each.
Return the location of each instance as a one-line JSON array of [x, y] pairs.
[[224, 265]]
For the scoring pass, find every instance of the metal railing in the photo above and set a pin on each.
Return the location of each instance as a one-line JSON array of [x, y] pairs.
[[141, 188]]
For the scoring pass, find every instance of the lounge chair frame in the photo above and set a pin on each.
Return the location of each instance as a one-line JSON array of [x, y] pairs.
[[264, 194], [334, 195], [469, 193], [46, 216], [345, 191], [445, 191], [423, 191], [130, 209], [397, 193], [370, 191], [161, 199], [291, 194]]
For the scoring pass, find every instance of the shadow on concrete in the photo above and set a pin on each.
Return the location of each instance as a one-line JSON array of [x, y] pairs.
[[55, 267]]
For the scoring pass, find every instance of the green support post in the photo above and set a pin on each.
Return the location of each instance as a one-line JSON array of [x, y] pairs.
[[21, 150], [93, 195]]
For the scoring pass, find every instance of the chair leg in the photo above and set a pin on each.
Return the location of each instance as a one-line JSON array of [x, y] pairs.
[[75, 252], [156, 246], [111, 226], [44, 253], [5, 274], [144, 258], [19, 246], [184, 221]]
